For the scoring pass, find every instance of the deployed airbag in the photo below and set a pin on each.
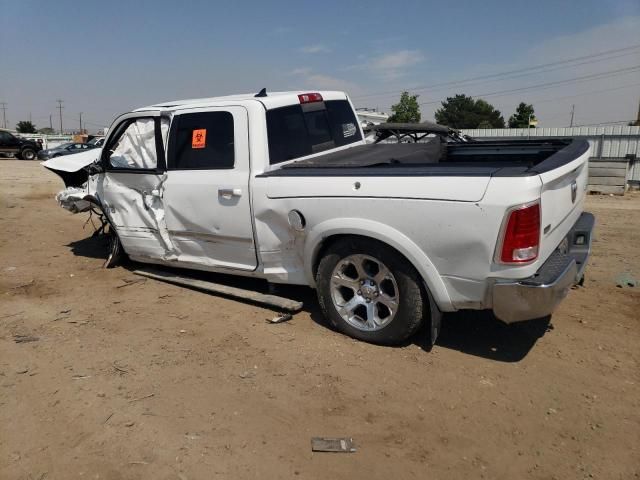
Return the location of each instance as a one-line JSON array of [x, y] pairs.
[[137, 146]]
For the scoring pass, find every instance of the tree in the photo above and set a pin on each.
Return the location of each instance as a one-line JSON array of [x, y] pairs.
[[463, 111], [47, 131], [406, 110], [25, 127], [521, 118]]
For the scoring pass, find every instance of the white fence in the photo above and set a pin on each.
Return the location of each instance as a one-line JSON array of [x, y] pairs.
[[48, 141]]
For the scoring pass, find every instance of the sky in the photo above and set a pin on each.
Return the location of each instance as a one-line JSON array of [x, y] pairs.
[[104, 58]]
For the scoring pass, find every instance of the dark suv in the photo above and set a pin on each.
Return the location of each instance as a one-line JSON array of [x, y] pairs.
[[19, 147]]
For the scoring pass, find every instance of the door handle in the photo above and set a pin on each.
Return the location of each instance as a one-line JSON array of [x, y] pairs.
[[229, 192]]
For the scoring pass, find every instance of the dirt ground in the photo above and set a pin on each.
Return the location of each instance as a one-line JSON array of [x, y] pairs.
[[127, 378]]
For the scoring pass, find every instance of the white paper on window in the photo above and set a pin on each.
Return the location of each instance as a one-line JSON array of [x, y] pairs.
[[137, 146]]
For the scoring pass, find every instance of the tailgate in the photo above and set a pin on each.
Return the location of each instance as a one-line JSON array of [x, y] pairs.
[[563, 191]]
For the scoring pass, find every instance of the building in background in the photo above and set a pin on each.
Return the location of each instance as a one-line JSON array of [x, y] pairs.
[[370, 116]]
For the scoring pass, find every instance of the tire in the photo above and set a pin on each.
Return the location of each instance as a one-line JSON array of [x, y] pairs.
[[382, 301], [28, 154], [116, 254]]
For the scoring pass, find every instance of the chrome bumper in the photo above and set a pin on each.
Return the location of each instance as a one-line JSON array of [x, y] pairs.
[[539, 295]]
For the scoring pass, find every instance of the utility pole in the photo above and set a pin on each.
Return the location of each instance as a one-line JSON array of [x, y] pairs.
[[4, 114], [50, 122], [81, 132], [573, 109], [60, 110]]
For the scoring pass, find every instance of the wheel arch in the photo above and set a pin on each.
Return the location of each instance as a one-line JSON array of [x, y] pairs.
[[322, 236]]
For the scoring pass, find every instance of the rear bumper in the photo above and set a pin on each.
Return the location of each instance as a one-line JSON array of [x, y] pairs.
[[539, 295]]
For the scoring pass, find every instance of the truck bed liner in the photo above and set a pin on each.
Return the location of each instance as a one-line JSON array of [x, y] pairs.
[[495, 158]]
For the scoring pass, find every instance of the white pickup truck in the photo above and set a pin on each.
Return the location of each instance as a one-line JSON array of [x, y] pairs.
[[282, 186]]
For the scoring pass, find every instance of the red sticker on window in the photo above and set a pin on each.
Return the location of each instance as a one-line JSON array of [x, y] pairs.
[[199, 138]]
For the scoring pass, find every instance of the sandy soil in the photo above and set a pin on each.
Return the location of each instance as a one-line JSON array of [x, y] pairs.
[[129, 378]]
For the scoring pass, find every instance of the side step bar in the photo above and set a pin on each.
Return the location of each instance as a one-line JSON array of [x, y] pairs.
[[234, 292]]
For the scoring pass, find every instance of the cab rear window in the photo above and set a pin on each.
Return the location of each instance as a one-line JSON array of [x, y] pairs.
[[295, 132]]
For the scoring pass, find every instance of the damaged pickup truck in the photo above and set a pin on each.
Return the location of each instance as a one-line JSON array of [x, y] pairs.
[[282, 186]]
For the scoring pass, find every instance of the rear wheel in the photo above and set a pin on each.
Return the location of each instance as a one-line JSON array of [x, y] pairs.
[[370, 292], [28, 154]]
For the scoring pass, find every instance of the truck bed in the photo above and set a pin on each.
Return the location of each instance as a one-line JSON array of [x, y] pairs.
[[495, 158]]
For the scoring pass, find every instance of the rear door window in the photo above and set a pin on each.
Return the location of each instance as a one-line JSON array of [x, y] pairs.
[[294, 132], [202, 141]]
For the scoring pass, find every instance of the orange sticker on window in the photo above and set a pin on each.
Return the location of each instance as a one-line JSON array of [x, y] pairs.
[[199, 138]]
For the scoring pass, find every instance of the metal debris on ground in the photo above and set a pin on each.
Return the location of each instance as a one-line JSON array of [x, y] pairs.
[[626, 280], [128, 282], [23, 285], [142, 398], [220, 289], [338, 445], [25, 338], [247, 374], [285, 317], [119, 369]]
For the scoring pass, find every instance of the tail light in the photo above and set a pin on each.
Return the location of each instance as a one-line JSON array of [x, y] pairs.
[[309, 97], [521, 235]]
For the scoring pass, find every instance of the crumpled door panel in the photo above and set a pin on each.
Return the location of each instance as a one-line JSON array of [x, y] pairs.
[[133, 203]]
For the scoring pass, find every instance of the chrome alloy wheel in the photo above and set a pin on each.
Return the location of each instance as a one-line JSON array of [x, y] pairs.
[[364, 292]]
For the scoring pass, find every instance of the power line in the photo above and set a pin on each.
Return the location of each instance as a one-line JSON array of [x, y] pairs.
[[95, 124], [496, 76], [85, 122], [467, 83], [542, 86], [592, 92]]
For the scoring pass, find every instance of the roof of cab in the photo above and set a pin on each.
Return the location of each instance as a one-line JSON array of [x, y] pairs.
[[271, 100]]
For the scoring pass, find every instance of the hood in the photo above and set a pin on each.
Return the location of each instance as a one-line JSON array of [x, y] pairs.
[[71, 167]]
